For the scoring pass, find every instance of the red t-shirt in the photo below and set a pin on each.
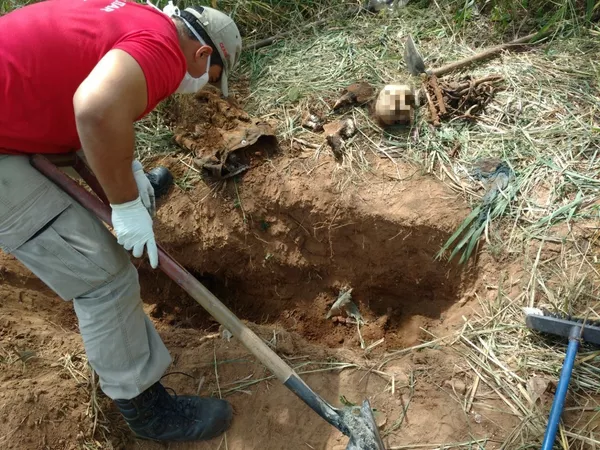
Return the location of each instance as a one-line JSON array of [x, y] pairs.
[[47, 49]]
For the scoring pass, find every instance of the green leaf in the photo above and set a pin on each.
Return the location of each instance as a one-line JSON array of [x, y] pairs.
[[474, 239], [459, 231], [344, 401], [464, 240], [294, 94], [590, 7]]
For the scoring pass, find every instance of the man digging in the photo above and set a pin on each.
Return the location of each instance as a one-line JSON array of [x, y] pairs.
[[77, 74]]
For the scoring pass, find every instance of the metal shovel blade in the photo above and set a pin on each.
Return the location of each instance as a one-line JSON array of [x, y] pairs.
[[413, 59], [364, 434], [356, 422]]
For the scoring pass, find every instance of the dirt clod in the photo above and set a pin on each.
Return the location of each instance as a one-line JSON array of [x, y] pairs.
[[458, 386], [223, 139]]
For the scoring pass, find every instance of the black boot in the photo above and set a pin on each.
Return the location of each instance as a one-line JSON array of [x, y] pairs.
[[161, 180], [156, 415]]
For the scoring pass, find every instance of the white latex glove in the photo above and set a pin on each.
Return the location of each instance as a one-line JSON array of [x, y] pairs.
[[133, 226], [144, 187]]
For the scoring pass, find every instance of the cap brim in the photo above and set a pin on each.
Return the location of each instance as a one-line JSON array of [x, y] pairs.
[[224, 85]]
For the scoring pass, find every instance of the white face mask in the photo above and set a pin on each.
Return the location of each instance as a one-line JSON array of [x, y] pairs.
[[189, 84]]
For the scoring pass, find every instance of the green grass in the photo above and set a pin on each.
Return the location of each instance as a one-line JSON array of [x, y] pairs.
[[260, 19], [523, 14], [7, 6]]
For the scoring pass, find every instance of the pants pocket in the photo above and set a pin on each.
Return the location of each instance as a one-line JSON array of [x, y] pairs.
[[74, 255], [28, 201]]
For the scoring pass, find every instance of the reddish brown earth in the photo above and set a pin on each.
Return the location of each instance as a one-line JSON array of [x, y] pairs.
[[276, 245]]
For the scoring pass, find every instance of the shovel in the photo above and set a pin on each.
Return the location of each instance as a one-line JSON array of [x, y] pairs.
[[575, 331], [416, 65], [417, 68], [355, 422]]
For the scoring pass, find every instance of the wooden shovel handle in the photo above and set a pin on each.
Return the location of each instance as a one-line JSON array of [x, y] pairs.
[[530, 38], [176, 272]]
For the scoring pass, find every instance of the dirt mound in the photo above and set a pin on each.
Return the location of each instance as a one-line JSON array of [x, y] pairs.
[[222, 137]]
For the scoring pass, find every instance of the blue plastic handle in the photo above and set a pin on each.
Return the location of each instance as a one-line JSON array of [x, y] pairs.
[[561, 390]]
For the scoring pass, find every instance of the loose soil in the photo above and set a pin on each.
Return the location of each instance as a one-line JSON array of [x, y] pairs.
[[276, 245]]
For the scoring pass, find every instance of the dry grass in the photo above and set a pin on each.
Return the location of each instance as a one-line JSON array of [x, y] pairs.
[[102, 434], [507, 364], [543, 123]]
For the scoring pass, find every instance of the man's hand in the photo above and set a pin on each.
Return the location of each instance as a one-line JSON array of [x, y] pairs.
[[133, 226], [144, 187]]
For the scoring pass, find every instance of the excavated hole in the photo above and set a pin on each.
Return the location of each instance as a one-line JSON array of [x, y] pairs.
[[278, 246], [289, 278]]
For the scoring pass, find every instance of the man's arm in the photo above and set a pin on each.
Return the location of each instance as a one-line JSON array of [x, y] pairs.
[[106, 105]]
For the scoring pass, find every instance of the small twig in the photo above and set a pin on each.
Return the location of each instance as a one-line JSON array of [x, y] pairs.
[[362, 341], [469, 404], [455, 150], [189, 166], [239, 200], [306, 143], [438, 94], [219, 387], [200, 383], [374, 344], [404, 411], [441, 446], [208, 337], [434, 115]]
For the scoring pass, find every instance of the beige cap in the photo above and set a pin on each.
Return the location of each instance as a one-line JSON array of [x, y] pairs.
[[225, 35]]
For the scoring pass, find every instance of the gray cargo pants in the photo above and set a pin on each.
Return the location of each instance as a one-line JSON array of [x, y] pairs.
[[73, 253]]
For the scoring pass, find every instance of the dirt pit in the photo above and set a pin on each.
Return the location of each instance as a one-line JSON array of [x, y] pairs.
[[287, 262], [276, 245], [279, 244]]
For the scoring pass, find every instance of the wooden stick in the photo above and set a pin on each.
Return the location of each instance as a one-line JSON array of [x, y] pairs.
[[487, 53]]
